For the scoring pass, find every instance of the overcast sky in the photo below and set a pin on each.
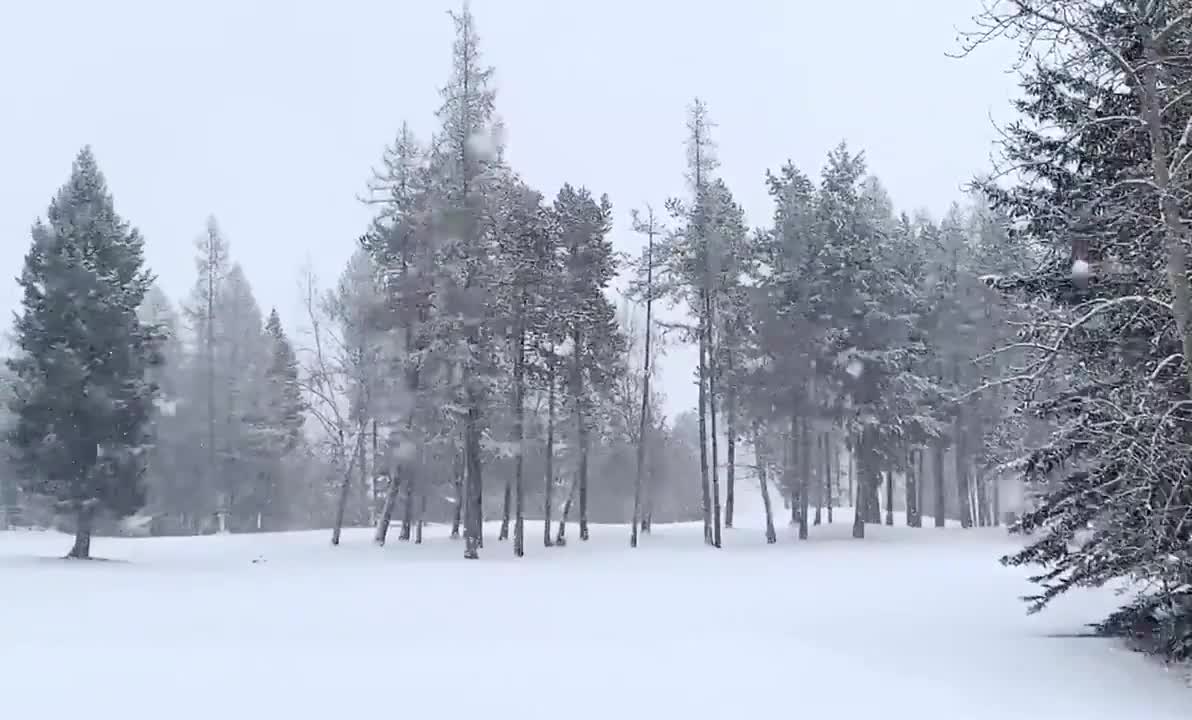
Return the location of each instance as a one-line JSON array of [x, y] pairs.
[[270, 114]]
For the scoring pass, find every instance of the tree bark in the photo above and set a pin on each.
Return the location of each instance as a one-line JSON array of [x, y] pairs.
[[548, 500], [506, 510], [703, 422], [816, 474], [519, 419], [761, 457], [457, 481], [912, 492], [473, 485], [982, 499], [830, 499], [421, 518], [962, 478], [386, 516], [805, 456], [937, 467], [890, 496], [344, 489], [730, 473], [561, 537], [407, 515], [712, 365], [84, 519]]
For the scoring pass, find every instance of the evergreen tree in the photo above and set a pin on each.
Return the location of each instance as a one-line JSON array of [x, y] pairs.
[[596, 344], [84, 398]]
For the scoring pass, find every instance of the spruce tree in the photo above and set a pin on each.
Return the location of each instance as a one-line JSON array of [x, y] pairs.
[[83, 397]]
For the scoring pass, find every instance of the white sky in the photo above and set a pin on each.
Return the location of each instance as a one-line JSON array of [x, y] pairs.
[[269, 114]]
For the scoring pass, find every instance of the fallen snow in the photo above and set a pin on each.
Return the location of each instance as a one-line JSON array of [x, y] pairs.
[[905, 624]]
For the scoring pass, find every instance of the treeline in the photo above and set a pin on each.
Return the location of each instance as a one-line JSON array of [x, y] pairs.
[[470, 364]]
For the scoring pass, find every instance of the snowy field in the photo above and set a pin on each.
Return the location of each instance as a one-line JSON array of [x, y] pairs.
[[906, 624]]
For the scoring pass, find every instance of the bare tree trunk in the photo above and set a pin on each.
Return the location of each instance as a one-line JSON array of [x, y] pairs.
[[712, 365], [583, 481], [561, 538], [407, 516], [474, 486], [805, 456], [519, 420], [851, 448], [828, 493], [962, 478], [344, 489], [997, 500], [730, 478], [761, 458], [861, 503], [506, 509], [982, 499], [421, 518], [912, 492], [816, 473], [703, 422], [937, 466], [457, 481], [386, 516], [868, 478], [548, 500], [84, 519], [890, 496]]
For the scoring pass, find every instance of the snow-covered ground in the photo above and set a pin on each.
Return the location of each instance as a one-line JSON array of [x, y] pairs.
[[906, 624]]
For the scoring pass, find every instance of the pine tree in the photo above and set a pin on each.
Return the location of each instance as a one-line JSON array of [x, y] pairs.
[[285, 415], [597, 346], [84, 397]]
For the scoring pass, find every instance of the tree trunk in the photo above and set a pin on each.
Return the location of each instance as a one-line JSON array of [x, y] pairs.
[[912, 492], [861, 502], [997, 500], [937, 467], [561, 537], [407, 515], [506, 509], [421, 518], [457, 481], [730, 473], [921, 481], [84, 518], [816, 474], [868, 477], [805, 456], [386, 516], [982, 499], [716, 517], [548, 500], [581, 423], [705, 482], [1169, 206], [830, 500], [473, 484], [583, 482], [890, 497], [761, 457], [519, 420], [962, 478], [344, 488], [851, 449]]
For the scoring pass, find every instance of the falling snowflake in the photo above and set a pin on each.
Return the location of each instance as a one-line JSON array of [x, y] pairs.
[[1081, 270], [486, 143], [168, 408], [855, 367]]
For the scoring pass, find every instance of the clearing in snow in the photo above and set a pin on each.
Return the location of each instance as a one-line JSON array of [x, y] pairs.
[[904, 624]]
